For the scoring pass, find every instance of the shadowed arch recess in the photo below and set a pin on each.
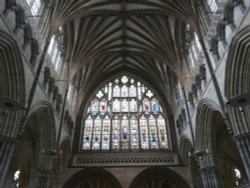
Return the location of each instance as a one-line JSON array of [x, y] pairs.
[[92, 174], [159, 176]]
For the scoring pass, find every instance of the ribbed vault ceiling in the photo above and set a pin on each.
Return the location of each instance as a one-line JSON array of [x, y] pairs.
[[103, 37]]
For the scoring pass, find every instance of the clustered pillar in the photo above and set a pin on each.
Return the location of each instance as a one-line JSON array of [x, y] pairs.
[[7, 146]]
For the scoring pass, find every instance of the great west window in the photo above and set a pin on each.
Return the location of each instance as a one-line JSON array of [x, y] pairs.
[[124, 115]]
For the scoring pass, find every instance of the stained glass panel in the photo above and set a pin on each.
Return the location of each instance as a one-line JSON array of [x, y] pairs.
[[116, 91], [154, 105], [133, 106], [97, 133], [124, 91], [87, 133], [124, 79], [116, 105], [106, 133], [162, 132], [134, 133], [146, 105], [118, 102], [103, 105], [132, 91], [124, 105], [94, 106], [153, 132], [116, 133], [125, 129], [144, 133]]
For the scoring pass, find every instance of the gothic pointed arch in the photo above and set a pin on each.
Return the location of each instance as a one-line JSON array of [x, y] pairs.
[[12, 81], [124, 113], [43, 114], [237, 79], [214, 146]]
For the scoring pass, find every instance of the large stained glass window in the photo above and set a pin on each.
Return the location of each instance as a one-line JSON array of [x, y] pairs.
[[124, 115]]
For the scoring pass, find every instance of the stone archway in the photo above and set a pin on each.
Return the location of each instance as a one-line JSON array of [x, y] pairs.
[[158, 177], [237, 83], [34, 153], [215, 151], [12, 86], [92, 177]]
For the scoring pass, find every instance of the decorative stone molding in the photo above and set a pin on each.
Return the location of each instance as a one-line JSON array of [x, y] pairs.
[[125, 159]]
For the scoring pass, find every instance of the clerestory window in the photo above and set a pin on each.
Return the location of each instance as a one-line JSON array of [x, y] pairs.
[[124, 115]]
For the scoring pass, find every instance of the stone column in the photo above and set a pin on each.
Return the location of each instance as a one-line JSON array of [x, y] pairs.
[[7, 146], [243, 145], [40, 178], [210, 178], [209, 175]]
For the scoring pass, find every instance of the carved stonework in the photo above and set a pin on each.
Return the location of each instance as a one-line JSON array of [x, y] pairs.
[[125, 159]]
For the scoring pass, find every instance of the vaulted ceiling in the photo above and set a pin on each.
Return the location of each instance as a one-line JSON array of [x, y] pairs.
[[146, 37]]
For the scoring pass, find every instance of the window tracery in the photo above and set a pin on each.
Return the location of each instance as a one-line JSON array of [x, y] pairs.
[[123, 115]]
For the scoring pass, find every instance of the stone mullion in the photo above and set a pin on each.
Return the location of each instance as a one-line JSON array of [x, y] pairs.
[[7, 147]]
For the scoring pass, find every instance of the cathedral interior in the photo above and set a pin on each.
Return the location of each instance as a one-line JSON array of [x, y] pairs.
[[124, 93]]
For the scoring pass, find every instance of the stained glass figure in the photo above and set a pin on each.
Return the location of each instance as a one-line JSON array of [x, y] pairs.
[[133, 106], [116, 91], [162, 132], [97, 133], [134, 133], [154, 104], [124, 105], [132, 91], [106, 133], [124, 91], [94, 106], [116, 133], [87, 133], [153, 132], [146, 105], [124, 125], [144, 133], [116, 105]]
